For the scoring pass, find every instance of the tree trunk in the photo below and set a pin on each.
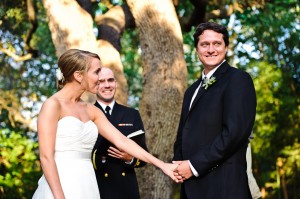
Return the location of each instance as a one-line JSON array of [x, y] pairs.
[[164, 71], [76, 31], [164, 83], [72, 31], [111, 26]]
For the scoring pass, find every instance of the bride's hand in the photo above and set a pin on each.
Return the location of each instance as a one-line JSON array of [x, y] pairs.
[[168, 169]]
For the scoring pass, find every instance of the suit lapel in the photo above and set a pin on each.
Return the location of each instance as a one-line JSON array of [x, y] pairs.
[[221, 71], [199, 94], [218, 75], [188, 98]]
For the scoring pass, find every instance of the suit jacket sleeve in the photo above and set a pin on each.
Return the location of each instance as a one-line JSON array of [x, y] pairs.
[[239, 106], [178, 141]]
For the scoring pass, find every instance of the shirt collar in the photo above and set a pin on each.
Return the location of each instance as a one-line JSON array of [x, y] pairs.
[[103, 106], [210, 73]]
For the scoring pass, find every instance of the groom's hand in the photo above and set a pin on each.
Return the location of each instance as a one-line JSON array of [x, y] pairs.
[[176, 174], [183, 169], [168, 169]]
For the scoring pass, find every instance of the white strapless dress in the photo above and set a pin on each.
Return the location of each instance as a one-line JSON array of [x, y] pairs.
[[73, 149]]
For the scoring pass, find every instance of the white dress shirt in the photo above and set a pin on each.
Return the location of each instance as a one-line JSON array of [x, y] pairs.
[[103, 106]]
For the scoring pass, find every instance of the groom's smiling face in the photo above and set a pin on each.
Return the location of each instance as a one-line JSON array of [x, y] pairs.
[[107, 87], [211, 49]]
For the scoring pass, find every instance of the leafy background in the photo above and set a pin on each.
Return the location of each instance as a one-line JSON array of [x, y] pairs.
[[264, 41]]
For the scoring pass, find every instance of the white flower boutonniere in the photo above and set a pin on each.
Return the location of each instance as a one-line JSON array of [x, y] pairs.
[[207, 82], [59, 75]]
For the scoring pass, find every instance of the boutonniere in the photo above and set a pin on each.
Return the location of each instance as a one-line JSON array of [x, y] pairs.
[[208, 82]]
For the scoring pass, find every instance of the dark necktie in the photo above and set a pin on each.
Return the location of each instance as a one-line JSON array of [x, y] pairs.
[[107, 109]]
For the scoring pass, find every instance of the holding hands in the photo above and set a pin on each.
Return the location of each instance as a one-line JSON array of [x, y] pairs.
[[182, 171], [169, 169], [179, 171], [176, 171]]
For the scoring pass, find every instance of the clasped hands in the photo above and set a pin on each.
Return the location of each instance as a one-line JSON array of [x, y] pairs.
[[179, 171], [182, 171]]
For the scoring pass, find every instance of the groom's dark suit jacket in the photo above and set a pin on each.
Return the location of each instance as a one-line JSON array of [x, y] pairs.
[[214, 134], [115, 178]]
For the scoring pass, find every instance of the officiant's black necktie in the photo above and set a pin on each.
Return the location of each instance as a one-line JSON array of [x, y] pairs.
[[107, 109]]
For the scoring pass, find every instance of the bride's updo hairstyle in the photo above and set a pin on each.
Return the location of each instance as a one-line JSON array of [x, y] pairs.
[[71, 61]]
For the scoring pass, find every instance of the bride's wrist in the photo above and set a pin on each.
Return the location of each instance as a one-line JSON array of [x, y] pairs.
[[161, 164]]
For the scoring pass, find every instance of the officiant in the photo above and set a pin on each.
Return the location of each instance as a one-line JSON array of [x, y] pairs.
[[115, 168]]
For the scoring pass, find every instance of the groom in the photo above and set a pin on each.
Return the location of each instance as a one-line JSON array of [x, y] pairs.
[[217, 118]]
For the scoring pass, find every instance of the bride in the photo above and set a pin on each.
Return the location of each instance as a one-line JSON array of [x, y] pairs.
[[68, 128]]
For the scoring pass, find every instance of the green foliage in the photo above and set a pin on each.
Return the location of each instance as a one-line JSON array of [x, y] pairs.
[[264, 40], [19, 165], [272, 32], [184, 8], [13, 16], [132, 66], [24, 84], [42, 38], [276, 130], [191, 57]]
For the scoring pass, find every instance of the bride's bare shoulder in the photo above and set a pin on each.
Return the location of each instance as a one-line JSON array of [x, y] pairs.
[[52, 103], [93, 111]]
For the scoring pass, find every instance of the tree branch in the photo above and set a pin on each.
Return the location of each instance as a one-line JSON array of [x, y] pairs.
[[224, 12], [14, 114], [112, 24], [197, 16], [17, 58], [34, 24]]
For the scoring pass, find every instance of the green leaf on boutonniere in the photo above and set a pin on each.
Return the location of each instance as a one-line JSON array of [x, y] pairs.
[[207, 82]]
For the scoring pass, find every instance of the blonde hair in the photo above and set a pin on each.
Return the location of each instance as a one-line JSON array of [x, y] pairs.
[[74, 60]]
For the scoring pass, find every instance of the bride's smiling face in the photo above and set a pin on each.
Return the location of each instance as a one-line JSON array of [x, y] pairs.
[[92, 76]]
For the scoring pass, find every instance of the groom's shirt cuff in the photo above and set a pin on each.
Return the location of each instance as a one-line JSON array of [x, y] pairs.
[[193, 170]]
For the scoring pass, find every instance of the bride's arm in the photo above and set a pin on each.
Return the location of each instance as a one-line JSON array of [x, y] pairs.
[[107, 130], [46, 126]]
